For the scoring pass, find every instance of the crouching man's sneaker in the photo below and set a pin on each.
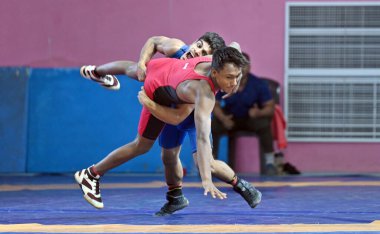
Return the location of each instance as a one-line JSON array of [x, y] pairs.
[[248, 192], [90, 187], [176, 201], [107, 81]]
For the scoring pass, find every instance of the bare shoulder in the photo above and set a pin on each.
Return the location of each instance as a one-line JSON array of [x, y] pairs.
[[189, 90], [205, 89]]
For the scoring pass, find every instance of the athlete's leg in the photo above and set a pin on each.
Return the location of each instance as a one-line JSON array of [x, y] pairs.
[[128, 68], [170, 140], [123, 154], [88, 179], [219, 169], [222, 171], [173, 167], [105, 74], [107, 81]]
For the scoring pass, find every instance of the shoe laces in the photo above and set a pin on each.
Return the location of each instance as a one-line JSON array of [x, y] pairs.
[[97, 190], [108, 80], [89, 72], [245, 187], [248, 187], [94, 183]]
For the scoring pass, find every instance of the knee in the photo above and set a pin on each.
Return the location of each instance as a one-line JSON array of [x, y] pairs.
[[169, 157], [142, 147]]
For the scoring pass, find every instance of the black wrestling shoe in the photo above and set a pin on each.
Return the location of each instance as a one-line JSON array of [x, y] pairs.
[[248, 192], [174, 204]]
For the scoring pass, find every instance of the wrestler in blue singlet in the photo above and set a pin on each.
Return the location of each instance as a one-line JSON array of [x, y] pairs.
[[173, 136]]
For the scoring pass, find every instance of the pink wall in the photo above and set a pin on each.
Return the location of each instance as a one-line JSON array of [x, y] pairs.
[[72, 32], [69, 33]]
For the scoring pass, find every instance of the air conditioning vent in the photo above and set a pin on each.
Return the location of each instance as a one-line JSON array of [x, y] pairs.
[[333, 71]]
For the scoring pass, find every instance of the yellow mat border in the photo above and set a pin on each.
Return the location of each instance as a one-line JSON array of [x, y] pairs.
[[121, 228], [159, 184]]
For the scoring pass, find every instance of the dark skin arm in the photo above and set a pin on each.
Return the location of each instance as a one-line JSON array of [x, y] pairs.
[[173, 116], [200, 93]]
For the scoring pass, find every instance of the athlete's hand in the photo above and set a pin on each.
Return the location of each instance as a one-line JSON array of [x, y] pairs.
[[143, 98], [141, 71], [209, 187]]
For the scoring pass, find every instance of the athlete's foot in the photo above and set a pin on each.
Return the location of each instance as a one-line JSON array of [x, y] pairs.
[[175, 203], [250, 194], [89, 185], [107, 81]]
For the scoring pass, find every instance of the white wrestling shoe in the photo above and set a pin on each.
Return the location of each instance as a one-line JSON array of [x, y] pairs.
[[89, 185], [107, 81]]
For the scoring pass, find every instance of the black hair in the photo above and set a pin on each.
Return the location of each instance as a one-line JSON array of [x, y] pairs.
[[246, 56], [227, 55], [214, 40]]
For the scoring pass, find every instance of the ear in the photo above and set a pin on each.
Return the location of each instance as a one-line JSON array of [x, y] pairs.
[[213, 72]]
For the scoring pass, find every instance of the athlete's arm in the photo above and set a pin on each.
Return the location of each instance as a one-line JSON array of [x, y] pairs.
[[164, 45], [204, 104], [172, 116]]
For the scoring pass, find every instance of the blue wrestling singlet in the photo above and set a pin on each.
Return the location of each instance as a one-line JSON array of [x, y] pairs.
[[173, 136]]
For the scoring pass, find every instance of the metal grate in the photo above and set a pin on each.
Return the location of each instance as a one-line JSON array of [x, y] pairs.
[[342, 51], [319, 16], [334, 107], [333, 71]]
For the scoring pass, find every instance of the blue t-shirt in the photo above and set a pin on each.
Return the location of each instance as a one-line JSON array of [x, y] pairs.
[[256, 91]]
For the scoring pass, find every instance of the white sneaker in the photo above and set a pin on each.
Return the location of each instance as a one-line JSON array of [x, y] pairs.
[[107, 81], [90, 187]]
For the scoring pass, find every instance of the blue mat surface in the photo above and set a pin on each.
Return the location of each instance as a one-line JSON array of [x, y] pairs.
[[132, 200]]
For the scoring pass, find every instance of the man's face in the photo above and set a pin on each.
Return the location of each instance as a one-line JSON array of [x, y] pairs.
[[197, 49], [228, 78]]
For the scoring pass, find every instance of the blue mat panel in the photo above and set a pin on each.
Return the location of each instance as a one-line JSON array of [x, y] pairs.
[[13, 118], [74, 123], [54, 200]]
